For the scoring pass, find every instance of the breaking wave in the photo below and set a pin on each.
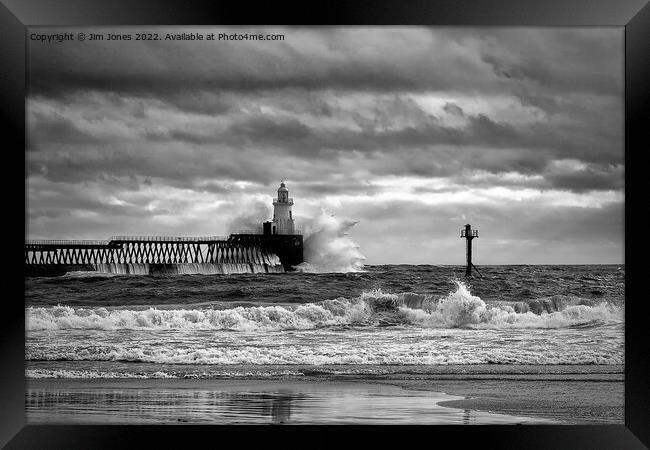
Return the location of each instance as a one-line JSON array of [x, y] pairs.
[[160, 374], [462, 309], [458, 309], [328, 248], [86, 374], [342, 354]]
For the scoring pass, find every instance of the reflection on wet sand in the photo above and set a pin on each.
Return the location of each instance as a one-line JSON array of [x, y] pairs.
[[275, 404], [168, 406]]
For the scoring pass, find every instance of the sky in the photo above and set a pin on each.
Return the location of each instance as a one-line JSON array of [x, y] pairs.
[[410, 131]]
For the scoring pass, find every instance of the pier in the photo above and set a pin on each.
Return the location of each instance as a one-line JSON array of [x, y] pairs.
[[276, 247], [237, 253]]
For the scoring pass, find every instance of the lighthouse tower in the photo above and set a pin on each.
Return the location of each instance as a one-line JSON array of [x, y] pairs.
[[282, 218]]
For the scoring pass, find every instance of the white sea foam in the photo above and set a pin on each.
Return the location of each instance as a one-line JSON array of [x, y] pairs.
[[462, 309], [459, 309], [89, 274], [271, 264], [161, 374], [427, 353], [328, 247], [257, 318], [64, 373]]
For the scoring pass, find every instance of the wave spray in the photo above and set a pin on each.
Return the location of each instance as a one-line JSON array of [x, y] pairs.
[[328, 247]]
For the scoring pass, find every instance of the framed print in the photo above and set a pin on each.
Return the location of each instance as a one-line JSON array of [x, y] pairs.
[[413, 214]]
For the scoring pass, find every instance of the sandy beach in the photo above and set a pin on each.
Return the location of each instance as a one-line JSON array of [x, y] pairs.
[[566, 402], [474, 396], [246, 402]]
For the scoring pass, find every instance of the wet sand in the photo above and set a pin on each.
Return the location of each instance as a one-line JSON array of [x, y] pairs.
[[571, 402], [245, 402], [481, 394]]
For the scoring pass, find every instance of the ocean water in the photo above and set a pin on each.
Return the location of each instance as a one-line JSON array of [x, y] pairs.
[[93, 325], [551, 333]]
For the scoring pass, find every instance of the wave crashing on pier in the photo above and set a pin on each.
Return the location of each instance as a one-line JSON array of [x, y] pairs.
[[328, 246]]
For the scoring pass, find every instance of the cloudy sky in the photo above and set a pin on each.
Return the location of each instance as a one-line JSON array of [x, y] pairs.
[[411, 131]]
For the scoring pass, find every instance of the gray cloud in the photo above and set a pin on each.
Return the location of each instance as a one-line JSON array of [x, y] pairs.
[[453, 108], [338, 111], [590, 179], [336, 58]]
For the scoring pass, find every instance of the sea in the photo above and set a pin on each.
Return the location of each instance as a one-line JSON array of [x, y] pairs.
[[379, 322]]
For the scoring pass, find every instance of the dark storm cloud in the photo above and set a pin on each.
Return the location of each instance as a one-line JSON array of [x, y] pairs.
[[591, 179], [180, 168], [69, 166], [434, 150], [273, 132], [336, 58], [58, 130], [161, 134], [167, 68], [421, 130], [537, 66], [535, 144], [201, 102], [570, 69]]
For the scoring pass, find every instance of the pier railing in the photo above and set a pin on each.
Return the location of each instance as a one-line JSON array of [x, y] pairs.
[[65, 242], [168, 238], [249, 231], [97, 242], [261, 231]]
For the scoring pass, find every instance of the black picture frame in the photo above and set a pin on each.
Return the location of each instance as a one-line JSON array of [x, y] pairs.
[[16, 15]]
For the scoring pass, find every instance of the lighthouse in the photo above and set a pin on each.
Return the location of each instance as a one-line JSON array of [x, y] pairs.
[[282, 222]]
